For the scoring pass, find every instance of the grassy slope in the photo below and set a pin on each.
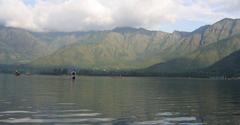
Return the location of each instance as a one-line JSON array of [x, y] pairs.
[[200, 58], [230, 63], [19, 46]]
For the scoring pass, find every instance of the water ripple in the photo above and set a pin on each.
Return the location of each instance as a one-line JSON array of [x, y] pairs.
[[70, 120], [17, 112]]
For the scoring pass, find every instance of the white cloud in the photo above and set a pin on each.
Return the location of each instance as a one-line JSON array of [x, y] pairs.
[[72, 15], [75, 15], [231, 6], [16, 13]]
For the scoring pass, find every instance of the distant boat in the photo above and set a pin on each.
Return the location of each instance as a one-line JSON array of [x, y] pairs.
[[28, 73], [17, 73]]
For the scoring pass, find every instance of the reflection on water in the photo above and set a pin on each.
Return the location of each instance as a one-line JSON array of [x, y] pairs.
[[57, 100]]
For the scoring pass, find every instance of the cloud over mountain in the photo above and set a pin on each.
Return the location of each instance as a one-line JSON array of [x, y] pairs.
[[75, 15]]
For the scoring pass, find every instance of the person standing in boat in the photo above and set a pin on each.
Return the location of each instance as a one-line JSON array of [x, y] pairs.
[[73, 74]]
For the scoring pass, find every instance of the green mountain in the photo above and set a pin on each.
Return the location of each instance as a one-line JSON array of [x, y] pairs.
[[122, 48], [200, 58], [19, 46], [229, 64], [129, 48]]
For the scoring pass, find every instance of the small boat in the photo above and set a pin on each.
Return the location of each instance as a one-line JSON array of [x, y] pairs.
[[17, 73], [28, 73]]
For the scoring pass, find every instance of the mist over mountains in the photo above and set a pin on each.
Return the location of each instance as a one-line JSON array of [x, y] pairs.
[[123, 48]]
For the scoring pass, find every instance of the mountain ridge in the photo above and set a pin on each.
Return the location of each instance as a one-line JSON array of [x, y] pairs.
[[123, 48]]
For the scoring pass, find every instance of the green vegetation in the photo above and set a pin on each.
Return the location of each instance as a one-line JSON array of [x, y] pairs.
[[201, 58], [229, 65]]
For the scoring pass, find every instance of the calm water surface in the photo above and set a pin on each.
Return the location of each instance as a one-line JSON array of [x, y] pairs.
[[56, 100]]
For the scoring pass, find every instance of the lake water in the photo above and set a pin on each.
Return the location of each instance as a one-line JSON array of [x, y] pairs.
[[56, 100]]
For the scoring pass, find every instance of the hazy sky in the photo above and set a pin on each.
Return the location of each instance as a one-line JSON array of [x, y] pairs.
[[79, 15]]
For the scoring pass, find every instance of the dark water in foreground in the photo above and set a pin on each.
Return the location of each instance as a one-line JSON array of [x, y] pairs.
[[56, 100]]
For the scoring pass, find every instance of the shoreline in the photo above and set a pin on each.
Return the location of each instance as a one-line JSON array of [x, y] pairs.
[[128, 76]]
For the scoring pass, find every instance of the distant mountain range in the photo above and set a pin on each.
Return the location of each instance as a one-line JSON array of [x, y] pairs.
[[123, 48]]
